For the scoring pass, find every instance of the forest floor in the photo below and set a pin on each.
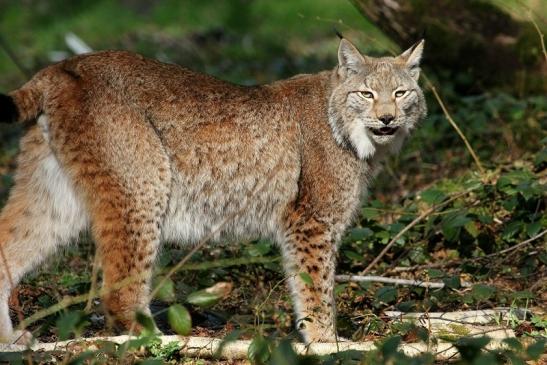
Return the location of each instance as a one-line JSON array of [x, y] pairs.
[[476, 227]]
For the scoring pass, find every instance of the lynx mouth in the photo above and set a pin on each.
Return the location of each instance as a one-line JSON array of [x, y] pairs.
[[384, 131]]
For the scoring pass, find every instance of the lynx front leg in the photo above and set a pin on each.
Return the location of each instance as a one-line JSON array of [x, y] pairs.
[[309, 252]]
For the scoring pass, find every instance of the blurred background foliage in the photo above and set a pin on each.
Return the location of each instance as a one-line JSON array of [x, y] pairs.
[[498, 105], [484, 57]]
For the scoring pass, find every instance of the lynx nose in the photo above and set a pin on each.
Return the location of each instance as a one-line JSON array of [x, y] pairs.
[[386, 118]]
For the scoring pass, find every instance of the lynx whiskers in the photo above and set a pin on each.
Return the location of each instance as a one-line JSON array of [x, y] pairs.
[[139, 152]]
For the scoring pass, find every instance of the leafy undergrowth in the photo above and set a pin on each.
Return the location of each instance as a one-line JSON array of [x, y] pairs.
[[482, 231], [237, 290]]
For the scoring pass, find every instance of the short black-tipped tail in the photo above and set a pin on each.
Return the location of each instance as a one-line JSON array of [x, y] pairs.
[[8, 110]]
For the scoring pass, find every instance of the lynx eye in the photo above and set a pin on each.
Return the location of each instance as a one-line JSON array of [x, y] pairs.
[[400, 93], [365, 94]]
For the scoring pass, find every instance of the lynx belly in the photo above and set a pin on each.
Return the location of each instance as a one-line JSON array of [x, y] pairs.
[[240, 207]]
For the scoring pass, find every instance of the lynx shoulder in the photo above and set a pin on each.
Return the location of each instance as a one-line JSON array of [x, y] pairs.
[[139, 152]]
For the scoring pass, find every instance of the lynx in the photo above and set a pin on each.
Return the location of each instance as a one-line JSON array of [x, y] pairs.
[[138, 152]]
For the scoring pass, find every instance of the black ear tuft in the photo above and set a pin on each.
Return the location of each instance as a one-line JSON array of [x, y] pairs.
[[8, 109]]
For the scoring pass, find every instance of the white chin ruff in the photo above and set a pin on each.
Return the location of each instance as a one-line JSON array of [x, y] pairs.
[[360, 140]]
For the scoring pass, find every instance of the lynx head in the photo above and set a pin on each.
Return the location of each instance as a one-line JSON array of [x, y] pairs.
[[375, 102]]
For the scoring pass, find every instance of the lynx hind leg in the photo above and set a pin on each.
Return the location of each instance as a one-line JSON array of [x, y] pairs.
[[127, 231], [308, 253], [42, 212], [124, 173]]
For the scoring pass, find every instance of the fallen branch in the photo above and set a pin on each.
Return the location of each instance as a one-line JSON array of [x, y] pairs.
[[396, 281], [207, 347], [473, 317]]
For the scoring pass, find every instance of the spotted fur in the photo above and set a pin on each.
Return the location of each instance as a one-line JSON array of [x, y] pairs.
[[140, 152]]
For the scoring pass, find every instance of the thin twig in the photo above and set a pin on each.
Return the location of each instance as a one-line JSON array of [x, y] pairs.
[[64, 303], [93, 287], [540, 33], [515, 247], [410, 225], [455, 126], [472, 259], [396, 281]]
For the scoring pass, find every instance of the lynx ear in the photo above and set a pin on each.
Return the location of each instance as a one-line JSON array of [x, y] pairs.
[[349, 57], [411, 58]]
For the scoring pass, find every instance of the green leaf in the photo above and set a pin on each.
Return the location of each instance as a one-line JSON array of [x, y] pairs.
[[284, 354], [352, 255], [166, 292], [258, 351], [513, 343], [359, 234], [482, 292], [470, 347], [306, 278], [451, 225], [486, 219], [406, 306], [456, 220], [423, 334], [538, 321], [70, 323], [472, 229], [535, 350], [432, 196], [514, 178], [145, 321], [541, 157], [230, 337], [179, 319], [452, 282], [370, 213], [389, 346], [434, 273], [203, 298], [523, 294], [533, 228], [260, 248], [339, 289], [512, 229], [145, 339], [386, 294], [384, 236], [417, 255], [396, 227]]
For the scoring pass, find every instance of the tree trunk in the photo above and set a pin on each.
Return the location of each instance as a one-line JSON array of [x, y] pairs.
[[472, 43]]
